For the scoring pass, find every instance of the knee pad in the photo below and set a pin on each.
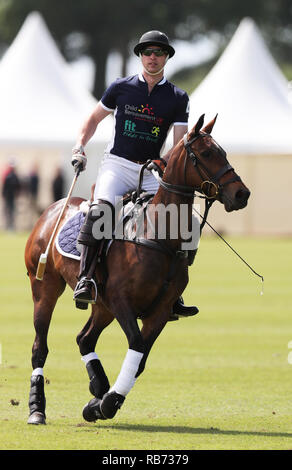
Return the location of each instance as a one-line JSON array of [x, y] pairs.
[[96, 211]]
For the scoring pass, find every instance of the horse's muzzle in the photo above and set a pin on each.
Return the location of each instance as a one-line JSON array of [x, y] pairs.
[[238, 201]]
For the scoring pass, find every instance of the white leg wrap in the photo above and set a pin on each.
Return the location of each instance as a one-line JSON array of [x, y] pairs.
[[89, 357], [126, 378], [37, 371]]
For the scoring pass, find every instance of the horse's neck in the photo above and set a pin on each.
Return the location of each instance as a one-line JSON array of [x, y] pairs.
[[180, 206], [174, 174]]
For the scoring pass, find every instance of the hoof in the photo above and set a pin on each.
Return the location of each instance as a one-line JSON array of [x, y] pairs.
[[91, 412], [81, 305], [103, 409], [111, 403], [36, 418]]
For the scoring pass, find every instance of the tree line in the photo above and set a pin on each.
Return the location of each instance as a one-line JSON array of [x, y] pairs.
[[98, 27]]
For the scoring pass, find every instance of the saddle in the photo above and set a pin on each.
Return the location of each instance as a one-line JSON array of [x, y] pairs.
[[129, 215]]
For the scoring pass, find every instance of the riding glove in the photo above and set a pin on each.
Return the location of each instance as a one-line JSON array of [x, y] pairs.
[[79, 159]]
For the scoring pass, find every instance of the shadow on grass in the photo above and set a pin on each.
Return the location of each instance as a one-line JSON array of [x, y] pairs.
[[191, 430]]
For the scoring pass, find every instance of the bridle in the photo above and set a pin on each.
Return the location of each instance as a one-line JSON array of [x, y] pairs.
[[212, 181]]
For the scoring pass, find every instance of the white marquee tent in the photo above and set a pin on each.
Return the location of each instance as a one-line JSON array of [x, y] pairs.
[[42, 105], [248, 91], [250, 95]]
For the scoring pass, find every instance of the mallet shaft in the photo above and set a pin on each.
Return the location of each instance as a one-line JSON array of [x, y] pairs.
[[43, 258]]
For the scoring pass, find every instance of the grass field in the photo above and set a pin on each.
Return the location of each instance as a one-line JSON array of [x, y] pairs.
[[221, 380]]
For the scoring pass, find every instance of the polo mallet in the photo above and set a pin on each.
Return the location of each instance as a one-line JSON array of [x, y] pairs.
[[44, 256]]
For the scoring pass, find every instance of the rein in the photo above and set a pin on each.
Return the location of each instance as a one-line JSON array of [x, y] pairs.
[[213, 181], [187, 191]]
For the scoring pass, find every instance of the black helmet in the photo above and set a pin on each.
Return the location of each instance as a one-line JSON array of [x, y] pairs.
[[154, 38]]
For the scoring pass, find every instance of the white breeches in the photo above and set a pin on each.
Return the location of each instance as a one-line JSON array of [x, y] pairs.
[[118, 176]]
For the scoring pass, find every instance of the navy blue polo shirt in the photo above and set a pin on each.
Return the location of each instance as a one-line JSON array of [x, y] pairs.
[[142, 120]]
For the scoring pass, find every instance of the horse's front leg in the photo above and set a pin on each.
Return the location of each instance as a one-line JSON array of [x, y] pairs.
[[107, 407], [151, 329]]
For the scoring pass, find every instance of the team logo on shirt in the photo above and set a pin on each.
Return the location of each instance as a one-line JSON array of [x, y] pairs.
[[130, 126], [146, 109], [155, 131], [143, 112], [130, 131]]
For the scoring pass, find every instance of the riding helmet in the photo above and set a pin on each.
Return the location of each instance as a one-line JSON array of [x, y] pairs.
[[154, 38]]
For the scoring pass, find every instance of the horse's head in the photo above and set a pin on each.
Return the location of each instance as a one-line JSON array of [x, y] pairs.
[[209, 171]]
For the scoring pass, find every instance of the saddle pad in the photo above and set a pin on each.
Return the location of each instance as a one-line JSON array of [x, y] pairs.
[[66, 239]]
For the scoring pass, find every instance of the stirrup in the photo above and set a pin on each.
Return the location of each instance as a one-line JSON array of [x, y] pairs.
[[82, 292]]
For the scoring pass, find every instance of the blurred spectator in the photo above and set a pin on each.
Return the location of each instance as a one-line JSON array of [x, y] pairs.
[[33, 183], [10, 191], [58, 185], [33, 189]]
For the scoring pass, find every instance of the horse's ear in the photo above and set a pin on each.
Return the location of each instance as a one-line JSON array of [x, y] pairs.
[[197, 127], [208, 128]]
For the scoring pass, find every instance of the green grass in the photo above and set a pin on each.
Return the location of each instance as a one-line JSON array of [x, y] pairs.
[[220, 380]]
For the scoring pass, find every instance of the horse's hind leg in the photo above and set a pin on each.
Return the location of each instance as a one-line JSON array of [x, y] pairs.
[[45, 295], [86, 340]]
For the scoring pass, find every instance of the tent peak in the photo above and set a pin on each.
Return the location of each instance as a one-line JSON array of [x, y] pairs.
[[249, 91], [35, 22]]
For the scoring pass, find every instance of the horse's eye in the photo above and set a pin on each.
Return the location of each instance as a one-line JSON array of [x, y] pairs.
[[205, 153]]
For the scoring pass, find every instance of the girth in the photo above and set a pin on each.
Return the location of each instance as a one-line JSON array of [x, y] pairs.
[[158, 245], [170, 276]]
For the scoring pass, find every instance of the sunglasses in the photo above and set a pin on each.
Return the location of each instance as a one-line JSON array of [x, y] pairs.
[[157, 52]]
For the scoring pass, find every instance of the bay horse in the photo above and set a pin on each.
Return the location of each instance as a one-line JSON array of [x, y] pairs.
[[197, 163]]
